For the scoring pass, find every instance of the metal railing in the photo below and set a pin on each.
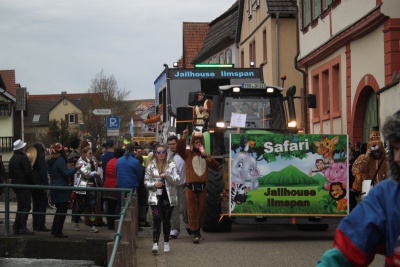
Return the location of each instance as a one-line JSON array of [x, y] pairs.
[[125, 203]]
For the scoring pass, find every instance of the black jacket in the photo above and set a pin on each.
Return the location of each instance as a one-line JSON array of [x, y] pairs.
[[20, 169]]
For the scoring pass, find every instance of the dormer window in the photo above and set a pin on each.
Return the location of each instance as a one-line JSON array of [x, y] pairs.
[[65, 102], [36, 118]]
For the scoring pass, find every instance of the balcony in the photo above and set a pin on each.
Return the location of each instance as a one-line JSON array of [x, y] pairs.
[[6, 144]]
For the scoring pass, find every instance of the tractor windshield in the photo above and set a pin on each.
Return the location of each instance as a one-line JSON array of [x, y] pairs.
[[264, 113]]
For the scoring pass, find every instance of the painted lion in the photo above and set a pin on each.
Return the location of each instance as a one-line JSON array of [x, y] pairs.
[[338, 192]]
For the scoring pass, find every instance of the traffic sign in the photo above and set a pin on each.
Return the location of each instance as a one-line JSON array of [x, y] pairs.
[[254, 85], [112, 132], [112, 122], [106, 111]]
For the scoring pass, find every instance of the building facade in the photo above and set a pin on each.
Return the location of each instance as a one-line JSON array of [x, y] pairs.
[[350, 52]]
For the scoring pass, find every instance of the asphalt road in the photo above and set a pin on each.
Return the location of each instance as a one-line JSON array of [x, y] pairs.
[[246, 245]]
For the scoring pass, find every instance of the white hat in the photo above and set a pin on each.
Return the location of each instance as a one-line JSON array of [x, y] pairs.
[[19, 144]]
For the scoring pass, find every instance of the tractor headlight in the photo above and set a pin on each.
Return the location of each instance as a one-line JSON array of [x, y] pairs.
[[220, 124]]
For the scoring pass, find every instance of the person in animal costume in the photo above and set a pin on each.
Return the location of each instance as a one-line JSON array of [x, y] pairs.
[[373, 225], [197, 162], [371, 167]]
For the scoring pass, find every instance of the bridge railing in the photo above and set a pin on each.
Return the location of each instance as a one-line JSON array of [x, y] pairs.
[[127, 196]]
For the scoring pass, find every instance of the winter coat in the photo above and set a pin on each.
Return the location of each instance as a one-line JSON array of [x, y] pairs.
[[111, 181], [20, 169], [40, 171], [171, 181], [87, 172], [129, 172], [39, 166], [110, 172], [59, 172]]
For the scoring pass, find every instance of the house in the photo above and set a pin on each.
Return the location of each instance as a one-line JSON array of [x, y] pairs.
[[221, 43], [268, 40], [350, 53], [257, 34], [14, 97], [72, 108], [7, 101]]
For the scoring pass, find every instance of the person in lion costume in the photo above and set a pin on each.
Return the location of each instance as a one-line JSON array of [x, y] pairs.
[[375, 160]]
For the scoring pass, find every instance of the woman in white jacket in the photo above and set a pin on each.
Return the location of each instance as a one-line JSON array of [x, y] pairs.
[[161, 179], [87, 176]]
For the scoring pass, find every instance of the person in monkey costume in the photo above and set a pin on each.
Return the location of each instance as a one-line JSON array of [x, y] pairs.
[[197, 162]]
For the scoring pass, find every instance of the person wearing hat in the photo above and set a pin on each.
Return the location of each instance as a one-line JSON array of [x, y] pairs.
[[107, 156], [21, 173], [197, 163], [74, 145], [202, 109], [39, 196]]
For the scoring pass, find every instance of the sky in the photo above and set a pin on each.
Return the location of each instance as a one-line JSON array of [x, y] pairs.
[[60, 45]]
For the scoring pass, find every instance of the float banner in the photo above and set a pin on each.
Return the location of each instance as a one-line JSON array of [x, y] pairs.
[[288, 174]]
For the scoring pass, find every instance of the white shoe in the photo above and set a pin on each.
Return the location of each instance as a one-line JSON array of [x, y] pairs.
[[94, 229], [174, 233], [155, 248], [166, 247], [76, 226]]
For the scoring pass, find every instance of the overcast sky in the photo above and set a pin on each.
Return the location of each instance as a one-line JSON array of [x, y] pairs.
[[60, 45]]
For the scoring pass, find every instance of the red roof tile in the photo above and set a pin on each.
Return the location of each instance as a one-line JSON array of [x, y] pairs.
[[9, 80]]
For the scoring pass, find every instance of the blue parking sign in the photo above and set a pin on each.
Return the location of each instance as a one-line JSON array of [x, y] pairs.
[[112, 122]]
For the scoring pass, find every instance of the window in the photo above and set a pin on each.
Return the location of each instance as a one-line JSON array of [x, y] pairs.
[[228, 56], [310, 10], [5, 109], [71, 118], [249, 11], [307, 12], [317, 8], [327, 3], [36, 118], [265, 58], [221, 58], [252, 49], [65, 102], [326, 87]]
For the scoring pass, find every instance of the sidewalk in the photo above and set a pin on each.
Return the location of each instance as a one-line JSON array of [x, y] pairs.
[[144, 241]]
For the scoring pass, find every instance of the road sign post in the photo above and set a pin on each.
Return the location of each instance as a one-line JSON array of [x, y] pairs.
[[112, 122], [102, 111]]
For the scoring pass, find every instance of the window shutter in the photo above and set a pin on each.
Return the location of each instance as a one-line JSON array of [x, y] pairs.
[[317, 8], [301, 26], [76, 118], [249, 8], [66, 118], [307, 11], [327, 3]]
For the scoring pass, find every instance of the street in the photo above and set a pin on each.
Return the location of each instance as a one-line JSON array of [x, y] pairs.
[[257, 245]]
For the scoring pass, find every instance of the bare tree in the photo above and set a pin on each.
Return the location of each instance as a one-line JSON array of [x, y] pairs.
[[113, 98]]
